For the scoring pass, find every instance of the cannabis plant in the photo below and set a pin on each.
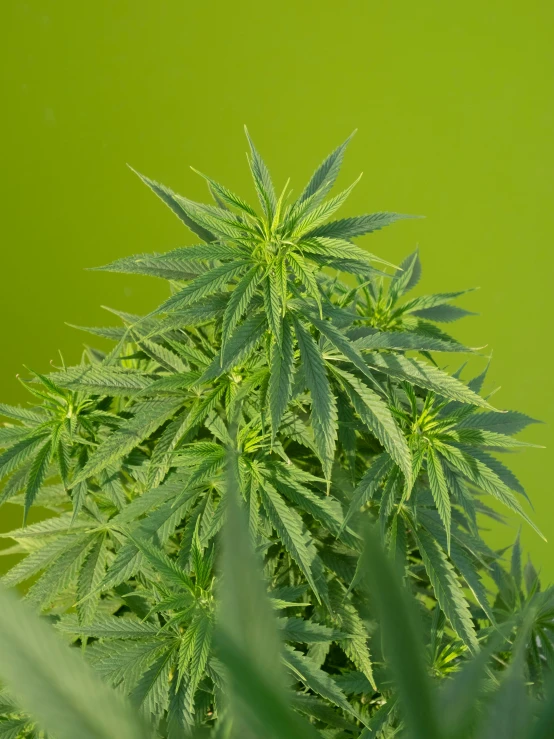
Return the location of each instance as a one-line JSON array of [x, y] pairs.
[[293, 361]]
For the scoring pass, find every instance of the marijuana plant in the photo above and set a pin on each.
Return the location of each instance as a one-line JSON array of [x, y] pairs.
[[337, 411]]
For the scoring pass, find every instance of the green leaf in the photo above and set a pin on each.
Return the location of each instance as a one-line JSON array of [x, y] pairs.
[[319, 214], [61, 574], [379, 420], [39, 559], [348, 228], [424, 302], [402, 640], [325, 509], [248, 641], [406, 341], [109, 627], [168, 568], [239, 347], [239, 301], [149, 417], [102, 380], [355, 644], [21, 452], [320, 710], [90, 576], [439, 490], [227, 196], [306, 276], [174, 203], [13, 728], [325, 175], [448, 590], [198, 639], [37, 475], [54, 685], [273, 301], [27, 415], [508, 422], [290, 530], [300, 630], [280, 378], [262, 180], [316, 679], [426, 376], [407, 277], [167, 359], [205, 285], [484, 477], [324, 407], [152, 690], [381, 465], [443, 313], [184, 263], [157, 526], [318, 247]]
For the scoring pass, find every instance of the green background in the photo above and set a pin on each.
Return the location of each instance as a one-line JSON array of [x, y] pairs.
[[454, 106]]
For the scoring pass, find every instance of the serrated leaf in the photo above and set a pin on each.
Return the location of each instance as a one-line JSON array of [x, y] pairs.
[[316, 679], [152, 690], [443, 313], [239, 301], [61, 573], [199, 646], [448, 590], [348, 228], [248, 641], [227, 196], [407, 277], [115, 381], [426, 376], [179, 264], [324, 407], [39, 559], [109, 627], [289, 527], [439, 490], [402, 640], [173, 203], [324, 509], [53, 683], [280, 377], [406, 341], [378, 418], [325, 175], [149, 417], [90, 577], [168, 568], [157, 526], [262, 180], [381, 465], [37, 474], [508, 422], [26, 415], [480, 474], [320, 213], [301, 630], [202, 287], [21, 452], [241, 344], [273, 301]]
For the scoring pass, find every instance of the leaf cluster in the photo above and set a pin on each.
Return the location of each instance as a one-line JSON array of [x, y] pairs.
[[283, 342]]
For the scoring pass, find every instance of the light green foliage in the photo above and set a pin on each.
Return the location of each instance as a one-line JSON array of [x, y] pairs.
[[210, 480]]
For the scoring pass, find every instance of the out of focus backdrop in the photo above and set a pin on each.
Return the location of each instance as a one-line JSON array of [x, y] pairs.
[[455, 113]]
